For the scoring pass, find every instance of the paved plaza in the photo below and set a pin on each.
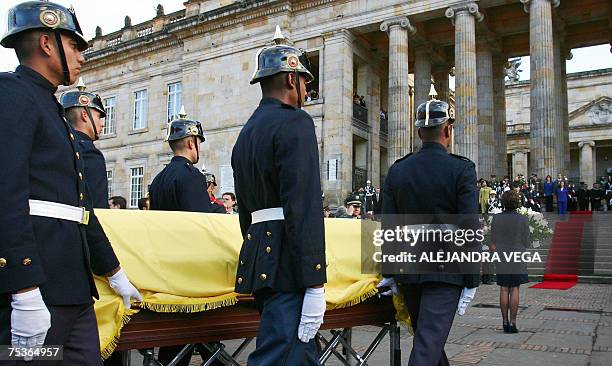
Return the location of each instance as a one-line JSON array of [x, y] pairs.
[[557, 328]]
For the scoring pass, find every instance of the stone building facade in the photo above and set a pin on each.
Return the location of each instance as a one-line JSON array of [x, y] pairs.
[[590, 125], [389, 51]]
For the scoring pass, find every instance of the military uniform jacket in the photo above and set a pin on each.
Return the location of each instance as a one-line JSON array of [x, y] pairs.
[[181, 187], [95, 171], [41, 160], [433, 182], [276, 164]]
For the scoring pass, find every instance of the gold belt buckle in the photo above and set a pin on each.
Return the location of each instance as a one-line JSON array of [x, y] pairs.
[[85, 216]]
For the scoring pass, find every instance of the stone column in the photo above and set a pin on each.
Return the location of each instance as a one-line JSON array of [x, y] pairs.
[[368, 85], [464, 18], [519, 163], [566, 55], [499, 115], [486, 139], [562, 134], [440, 74], [337, 135], [422, 82], [398, 114], [587, 162], [544, 127]]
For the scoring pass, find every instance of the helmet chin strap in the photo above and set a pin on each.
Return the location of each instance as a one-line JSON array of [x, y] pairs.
[[298, 87], [197, 147], [93, 125], [60, 47]]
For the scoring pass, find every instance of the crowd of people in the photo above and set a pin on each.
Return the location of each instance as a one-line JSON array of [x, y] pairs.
[[543, 196]]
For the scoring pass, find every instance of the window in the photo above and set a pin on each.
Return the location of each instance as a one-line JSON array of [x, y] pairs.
[[136, 182], [109, 181], [111, 116], [175, 91], [140, 110]]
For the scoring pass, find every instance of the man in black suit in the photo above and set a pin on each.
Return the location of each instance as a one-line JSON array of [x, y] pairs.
[[277, 179], [51, 242], [428, 187]]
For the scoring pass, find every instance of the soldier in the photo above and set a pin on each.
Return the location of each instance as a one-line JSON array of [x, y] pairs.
[[354, 205], [426, 183], [50, 242], [276, 175], [86, 114], [211, 187], [181, 187]]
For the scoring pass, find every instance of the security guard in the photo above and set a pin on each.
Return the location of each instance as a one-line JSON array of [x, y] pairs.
[[276, 176], [49, 242], [86, 114], [180, 186], [422, 187]]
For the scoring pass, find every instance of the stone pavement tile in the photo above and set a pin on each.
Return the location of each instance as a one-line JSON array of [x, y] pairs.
[[603, 340], [587, 328], [601, 359], [604, 329], [506, 357], [458, 332], [473, 311], [606, 319], [479, 321], [450, 349], [562, 340], [572, 315], [494, 335]]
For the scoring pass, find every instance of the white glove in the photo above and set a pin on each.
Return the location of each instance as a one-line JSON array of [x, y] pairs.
[[313, 309], [467, 295], [30, 320], [388, 282], [122, 286]]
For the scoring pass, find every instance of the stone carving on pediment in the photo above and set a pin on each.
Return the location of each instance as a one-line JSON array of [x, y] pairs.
[[601, 113]]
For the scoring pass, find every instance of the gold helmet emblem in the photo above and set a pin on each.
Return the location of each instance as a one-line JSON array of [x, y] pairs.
[[50, 18]]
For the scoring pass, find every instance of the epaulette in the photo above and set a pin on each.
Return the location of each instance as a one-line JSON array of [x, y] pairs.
[[400, 159], [460, 157]]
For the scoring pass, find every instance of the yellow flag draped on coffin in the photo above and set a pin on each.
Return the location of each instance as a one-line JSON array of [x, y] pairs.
[[186, 262]]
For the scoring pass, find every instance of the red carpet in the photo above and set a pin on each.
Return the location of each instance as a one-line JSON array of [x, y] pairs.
[[564, 253]]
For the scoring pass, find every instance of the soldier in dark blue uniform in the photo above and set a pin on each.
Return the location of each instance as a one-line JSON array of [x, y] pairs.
[[427, 184], [50, 241], [181, 187], [276, 175], [85, 112]]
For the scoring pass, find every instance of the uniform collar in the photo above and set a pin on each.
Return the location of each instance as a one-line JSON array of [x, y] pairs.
[[433, 146], [83, 135], [274, 101], [180, 160], [36, 78]]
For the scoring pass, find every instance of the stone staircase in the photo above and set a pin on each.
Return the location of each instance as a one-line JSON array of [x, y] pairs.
[[595, 260]]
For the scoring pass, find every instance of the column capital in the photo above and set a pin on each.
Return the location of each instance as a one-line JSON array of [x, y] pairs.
[[470, 8], [526, 4], [586, 143], [339, 34], [402, 22]]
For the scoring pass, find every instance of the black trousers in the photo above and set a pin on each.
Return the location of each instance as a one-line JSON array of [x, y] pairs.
[[432, 308], [73, 326], [548, 200], [277, 341]]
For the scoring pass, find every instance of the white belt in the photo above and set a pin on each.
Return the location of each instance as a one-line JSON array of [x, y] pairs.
[[267, 214], [59, 211]]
